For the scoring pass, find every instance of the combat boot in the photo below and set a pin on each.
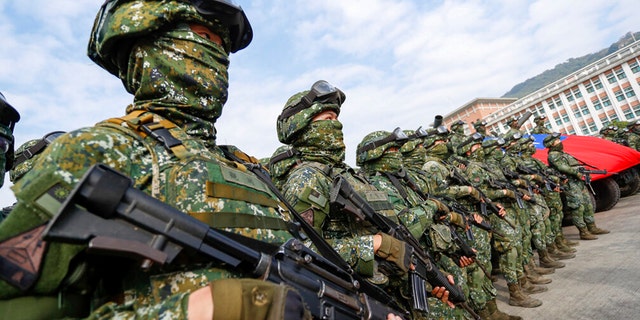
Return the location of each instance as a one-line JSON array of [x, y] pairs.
[[520, 299], [496, 314], [530, 288], [484, 314], [586, 235], [540, 270], [567, 242], [595, 230], [563, 247], [533, 276], [548, 262], [557, 254]]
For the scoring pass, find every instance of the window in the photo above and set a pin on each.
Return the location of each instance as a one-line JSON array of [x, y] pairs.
[[603, 117], [620, 74], [635, 68], [565, 118], [593, 127], [584, 110], [619, 95], [606, 102], [589, 87], [628, 91], [628, 114], [558, 101], [568, 95], [611, 77], [597, 105], [559, 121], [597, 84], [636, 108], [577, 93], [551, 105], [584, 128], [614, 117], [571, 131]]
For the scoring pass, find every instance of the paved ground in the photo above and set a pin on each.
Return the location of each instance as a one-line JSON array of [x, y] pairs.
[[602, 281]]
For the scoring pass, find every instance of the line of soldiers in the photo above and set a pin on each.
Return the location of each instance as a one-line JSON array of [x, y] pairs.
[[628, 136], [451, 190]]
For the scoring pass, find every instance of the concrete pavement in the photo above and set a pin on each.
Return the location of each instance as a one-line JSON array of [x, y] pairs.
[[602, 281]]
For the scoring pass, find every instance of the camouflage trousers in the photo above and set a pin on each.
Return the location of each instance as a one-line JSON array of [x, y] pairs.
[[579, 204], [506, 244], [555, 217], [525, 252], [539, 216], [481, 288]]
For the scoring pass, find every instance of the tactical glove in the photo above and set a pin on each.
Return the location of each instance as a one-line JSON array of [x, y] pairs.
[[396, 251], [248, 299], [441, 206]]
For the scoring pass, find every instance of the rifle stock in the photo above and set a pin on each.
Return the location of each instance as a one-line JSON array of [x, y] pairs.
[[107, 213]]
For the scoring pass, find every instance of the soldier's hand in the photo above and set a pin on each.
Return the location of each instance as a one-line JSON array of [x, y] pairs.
[[443, 294], [501, 211], [477, 218], [465, 261], [394, 250], [526, 197], [509, 193]]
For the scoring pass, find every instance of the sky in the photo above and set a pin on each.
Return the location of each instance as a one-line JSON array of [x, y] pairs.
[[400, 62]]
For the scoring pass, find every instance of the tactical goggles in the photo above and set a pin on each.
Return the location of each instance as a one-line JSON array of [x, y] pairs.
[[493, 142], [35, 149], [397, 135], [8, 115], [474, 139], [5, 144], [441, 131], [322, 92], [229, 14]]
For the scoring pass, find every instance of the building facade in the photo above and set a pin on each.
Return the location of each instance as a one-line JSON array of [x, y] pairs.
[[479, 108], [580, 103]]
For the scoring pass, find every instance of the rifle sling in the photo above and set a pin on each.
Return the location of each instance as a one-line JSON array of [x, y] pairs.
[[239, 220]]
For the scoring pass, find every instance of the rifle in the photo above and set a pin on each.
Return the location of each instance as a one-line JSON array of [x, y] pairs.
[[107, 213], [549, 184], [344, 198], [587, 176], [486, 202]]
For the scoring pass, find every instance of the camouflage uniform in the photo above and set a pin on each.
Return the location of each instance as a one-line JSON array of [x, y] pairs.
[[633, 135], [540, 127], [180, 82], [8, 118], [578, 200], [456, 135], [508, 243], [383, 167]]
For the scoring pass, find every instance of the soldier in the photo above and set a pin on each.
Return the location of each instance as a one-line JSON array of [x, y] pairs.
[[481, 177], [551, 191], [456, 135], [633, 135], [514, 127], [481, 127], [578, 200], [173, 56], [540, 126], [8, 118]]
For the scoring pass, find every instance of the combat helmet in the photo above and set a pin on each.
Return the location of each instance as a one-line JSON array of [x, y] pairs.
[[465, 146], [376, 143], [8, 118], [456, 126], [119, 23], [539, 120], [492, 143], [550, 139], [300, 109], [480, 126]]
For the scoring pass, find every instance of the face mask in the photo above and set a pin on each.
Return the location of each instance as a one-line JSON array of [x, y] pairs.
[[477, 155], [180, 76], [322, 141]]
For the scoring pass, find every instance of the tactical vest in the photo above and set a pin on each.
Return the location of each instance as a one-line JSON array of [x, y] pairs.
[[199, 181]]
